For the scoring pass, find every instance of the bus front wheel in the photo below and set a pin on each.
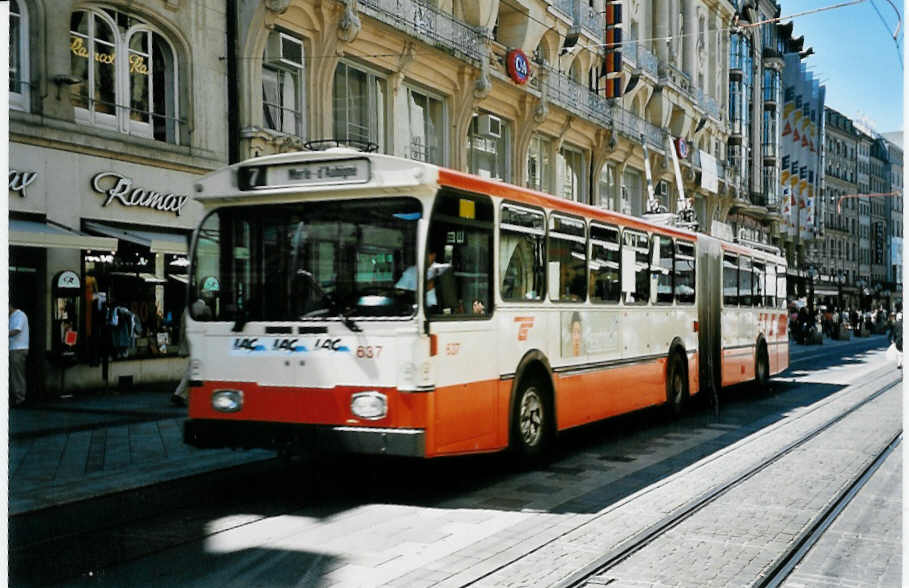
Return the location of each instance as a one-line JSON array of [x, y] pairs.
[[531, 427]]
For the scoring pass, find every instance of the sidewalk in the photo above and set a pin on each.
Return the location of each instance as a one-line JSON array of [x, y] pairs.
[[95, 444], [796, 349]]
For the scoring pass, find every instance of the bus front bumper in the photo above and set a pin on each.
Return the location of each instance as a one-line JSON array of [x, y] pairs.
[[212, 433]]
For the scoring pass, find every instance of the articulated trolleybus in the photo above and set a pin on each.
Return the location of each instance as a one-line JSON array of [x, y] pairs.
[[356, 302]]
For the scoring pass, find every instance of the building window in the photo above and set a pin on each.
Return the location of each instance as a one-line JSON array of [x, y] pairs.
[[136, 95], [632, 190], [571, 173], [359, 106], [424, 127], [18, 57], [539, 164], [282, 84], [488, 147], [607, 185]]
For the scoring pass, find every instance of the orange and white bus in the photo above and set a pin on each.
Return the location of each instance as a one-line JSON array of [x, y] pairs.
[[357, 302]]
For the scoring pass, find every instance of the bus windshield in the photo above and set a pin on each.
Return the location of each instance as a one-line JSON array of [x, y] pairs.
[[306, 260]]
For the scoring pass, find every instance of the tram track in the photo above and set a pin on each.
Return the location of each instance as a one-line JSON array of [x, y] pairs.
[[787, 561], [646, 536]]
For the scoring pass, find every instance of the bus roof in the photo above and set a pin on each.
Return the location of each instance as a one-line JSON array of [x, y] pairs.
[[302, 172], [279, 177]]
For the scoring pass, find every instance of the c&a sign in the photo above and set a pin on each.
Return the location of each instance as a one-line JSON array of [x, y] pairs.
[[120, 188]]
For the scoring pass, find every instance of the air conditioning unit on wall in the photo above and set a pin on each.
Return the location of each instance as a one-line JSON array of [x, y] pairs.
[[489, 125], [283, 49], [661, 189]]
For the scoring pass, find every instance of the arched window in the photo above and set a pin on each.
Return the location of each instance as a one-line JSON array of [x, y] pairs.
[[127, 75], [18, 56]]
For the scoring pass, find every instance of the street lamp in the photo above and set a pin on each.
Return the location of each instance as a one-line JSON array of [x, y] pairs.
[[840, 280], [812, 274]]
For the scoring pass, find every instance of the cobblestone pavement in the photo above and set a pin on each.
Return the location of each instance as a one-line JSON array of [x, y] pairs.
[[533, 528], [737, 538], [617, 523], [862, 547]]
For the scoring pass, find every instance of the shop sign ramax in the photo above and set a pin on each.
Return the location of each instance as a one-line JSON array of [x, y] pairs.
[[20, 180], [121, 188]]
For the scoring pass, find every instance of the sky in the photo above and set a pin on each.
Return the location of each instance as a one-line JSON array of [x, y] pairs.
[[855, 57]]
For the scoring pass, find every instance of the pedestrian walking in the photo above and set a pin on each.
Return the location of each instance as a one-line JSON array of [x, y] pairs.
[[896, 335], [18, 355]]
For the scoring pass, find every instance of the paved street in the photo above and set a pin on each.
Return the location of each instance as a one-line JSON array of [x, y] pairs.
[[457, 522]]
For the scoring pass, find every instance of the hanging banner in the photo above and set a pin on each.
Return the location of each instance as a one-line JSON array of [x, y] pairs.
[[681, 204], [709, 179], [652, 204]]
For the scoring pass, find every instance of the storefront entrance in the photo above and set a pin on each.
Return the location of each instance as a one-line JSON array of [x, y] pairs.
[[27, 292]]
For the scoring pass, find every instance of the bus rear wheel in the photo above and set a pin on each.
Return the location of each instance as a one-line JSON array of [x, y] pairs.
[[532, 421], [676, 385], [762, 369]]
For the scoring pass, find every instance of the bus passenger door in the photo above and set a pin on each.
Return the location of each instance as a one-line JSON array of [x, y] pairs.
[[458, 298]]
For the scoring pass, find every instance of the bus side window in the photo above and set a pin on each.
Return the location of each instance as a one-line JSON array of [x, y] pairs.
[[758, 284], [781, 286], [567, 259], [745, 294], [458, 270], [770, 286], [635, 268], [522, 239], [661, 268], [684, 273], [605, 265], [730, 280]]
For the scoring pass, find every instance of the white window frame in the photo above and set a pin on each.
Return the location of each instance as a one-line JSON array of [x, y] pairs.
[[297, 71], [378, 127], [121, 120], [21, 98], [477, 144], [578, 193], [606, 191], [541, 148], [441, 127]]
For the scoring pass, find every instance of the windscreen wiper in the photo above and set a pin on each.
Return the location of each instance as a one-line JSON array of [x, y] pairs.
[[333, 305]]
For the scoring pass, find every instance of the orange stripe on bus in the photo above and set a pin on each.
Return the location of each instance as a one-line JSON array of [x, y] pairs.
[[463, 181], [315, 406]]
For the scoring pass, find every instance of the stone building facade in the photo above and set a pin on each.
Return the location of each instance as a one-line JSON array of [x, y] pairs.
[[115, 108]]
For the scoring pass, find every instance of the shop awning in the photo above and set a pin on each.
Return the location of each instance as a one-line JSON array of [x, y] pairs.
[[145, 277], [820, 291], [157, 242], [182, 278], [31, 233]]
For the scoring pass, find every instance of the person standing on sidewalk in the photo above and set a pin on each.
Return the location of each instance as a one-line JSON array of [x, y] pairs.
[[18, 354]]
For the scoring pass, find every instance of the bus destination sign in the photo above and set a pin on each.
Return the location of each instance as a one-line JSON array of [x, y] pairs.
[[310, 173]]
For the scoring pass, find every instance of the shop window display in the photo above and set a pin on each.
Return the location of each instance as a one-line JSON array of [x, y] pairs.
[[133, 302]]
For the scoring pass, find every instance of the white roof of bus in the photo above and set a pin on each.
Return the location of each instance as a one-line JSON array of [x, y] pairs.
[[386, 171]]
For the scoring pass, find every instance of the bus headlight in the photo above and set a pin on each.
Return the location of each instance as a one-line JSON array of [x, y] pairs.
[[370, 405], [227, 400]]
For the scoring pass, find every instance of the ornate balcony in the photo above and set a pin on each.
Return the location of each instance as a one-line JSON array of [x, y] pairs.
[[576, 98], [430, 25]]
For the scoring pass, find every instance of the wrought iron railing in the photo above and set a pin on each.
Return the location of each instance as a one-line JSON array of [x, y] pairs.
[[566, 7], [430, 25], [577, 98], [636, 55], [593, 21], [636, 127]]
